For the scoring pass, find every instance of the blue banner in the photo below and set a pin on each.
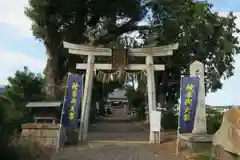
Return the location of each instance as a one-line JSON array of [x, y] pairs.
[[188, 103], [72, 101]]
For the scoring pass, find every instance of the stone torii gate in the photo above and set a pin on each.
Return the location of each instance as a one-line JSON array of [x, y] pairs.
[[90, 66]]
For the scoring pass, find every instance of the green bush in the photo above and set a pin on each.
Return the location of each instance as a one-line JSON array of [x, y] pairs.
[[26, 149], [136, 100], [24, 86], [169, 120], [214, 120]]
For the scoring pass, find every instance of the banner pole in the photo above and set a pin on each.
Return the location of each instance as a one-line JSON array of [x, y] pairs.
[[179, 113], [80, 128], [61, 119]]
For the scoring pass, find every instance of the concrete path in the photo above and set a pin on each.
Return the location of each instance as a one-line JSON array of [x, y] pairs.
[[114, 138]]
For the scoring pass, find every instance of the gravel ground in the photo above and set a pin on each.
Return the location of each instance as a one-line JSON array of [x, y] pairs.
[[114, 138], [113, 152]]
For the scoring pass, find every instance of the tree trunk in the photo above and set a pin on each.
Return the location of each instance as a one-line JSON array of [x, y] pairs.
[[52, 71], [159, 82]]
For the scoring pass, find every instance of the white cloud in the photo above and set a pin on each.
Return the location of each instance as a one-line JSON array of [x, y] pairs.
[[12, 14], [12, 61]]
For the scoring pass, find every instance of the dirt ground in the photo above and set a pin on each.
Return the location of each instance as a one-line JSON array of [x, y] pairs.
[[168, 146]]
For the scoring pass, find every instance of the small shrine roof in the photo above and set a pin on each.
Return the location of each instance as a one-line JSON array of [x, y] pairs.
[[55, 104]]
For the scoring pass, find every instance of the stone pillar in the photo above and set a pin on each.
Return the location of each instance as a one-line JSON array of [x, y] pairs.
[[151, 90], [200, 124], [87, 98]]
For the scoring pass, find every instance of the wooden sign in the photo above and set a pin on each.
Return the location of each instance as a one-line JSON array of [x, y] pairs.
[[119, 58], [155, 121]]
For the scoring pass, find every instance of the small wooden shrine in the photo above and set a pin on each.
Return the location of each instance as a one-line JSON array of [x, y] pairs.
[[45, 112]]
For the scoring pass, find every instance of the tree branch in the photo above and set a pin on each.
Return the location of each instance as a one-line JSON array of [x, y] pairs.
[[119, 31]]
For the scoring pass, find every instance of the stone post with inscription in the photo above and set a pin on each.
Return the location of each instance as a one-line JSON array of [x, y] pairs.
[[193, 142], [200, 126]]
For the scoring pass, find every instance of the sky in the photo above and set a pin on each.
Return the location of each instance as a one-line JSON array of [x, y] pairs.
[[18, 48]]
